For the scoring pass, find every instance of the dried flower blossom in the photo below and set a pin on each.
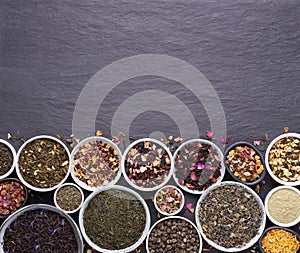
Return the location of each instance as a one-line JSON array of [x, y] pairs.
[[209, 134]]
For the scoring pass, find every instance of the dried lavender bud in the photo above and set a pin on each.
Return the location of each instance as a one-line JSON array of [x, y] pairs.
[[230, 216], [174, 235]]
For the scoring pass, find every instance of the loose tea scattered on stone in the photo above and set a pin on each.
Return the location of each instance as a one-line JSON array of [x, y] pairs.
[[96, 163], [44, 163], [280, 241], [6, 159], [68, 198], [114, 219], [284, 205], [40, 230], [175, 236], [197, 166], [245, 163], [12, 196], [169, 200], [147, 164], [284, 159], [230, 216]]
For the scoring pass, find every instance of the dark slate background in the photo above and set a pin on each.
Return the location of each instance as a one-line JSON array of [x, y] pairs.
[[248, 50]]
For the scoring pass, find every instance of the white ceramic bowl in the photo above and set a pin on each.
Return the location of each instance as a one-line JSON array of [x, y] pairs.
[[87, 140], [182, 200], [296, 135], [21, 211], [18, 169], [223, 169], [173, 217], [125, 157], [128, 249], [14, 155], [267, 211], [253, 240], [69, 184]]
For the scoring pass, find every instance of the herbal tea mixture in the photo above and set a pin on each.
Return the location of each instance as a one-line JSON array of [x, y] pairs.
[[245, 163], [40, 230], [284, 159], [96, 163], [44, 163], [197, 166], [230, 216], [114, 219], [147, 164], [12, 196]]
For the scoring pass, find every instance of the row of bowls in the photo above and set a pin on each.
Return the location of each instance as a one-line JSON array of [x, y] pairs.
[[147, 229], [128, 149]]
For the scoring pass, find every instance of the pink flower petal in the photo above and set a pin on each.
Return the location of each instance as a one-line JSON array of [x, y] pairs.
[[209, 134], [222, 140], [189, 206], [171, 190], [169, 199], [200, 166], [163, 207], [229, 139], [181, 182], [193, 176], [257, 143]]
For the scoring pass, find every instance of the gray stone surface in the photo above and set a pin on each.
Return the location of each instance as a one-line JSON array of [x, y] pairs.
[[248, 50]]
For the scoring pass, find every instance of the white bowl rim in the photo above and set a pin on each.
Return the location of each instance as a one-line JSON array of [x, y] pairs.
[[278, 180], [267, 211], [122, 188], [14, 154], [223, 169], [124, 170], [254, 239], [89, 139], [181, 206], [174, 217], [14, 216], [68, 184], [38, 137]]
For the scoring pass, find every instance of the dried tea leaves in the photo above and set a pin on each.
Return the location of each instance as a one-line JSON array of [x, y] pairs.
[[174, 235], [284, 159], [147, 164], [114, 219], [96, 163], [245, 163], [6, 159], [44, 163], [40, 230], [197, 166], [68, 198], [230, 216]]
